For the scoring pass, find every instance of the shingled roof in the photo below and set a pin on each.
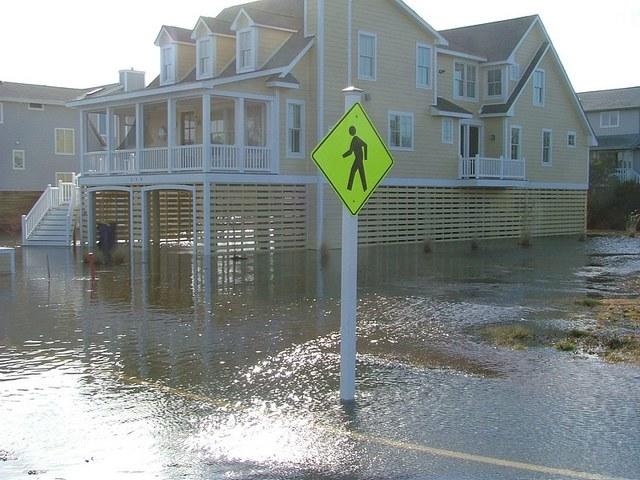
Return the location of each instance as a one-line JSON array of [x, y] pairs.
[[275, 13], [45, 94], [494, 41], [619, 98]]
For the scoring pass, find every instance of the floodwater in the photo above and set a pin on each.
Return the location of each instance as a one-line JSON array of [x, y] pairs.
[[176, 368]]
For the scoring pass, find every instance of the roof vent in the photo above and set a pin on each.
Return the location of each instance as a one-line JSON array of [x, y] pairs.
[[131, 80]]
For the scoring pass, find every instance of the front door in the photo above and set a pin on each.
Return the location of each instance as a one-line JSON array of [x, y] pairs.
[[469, 141]]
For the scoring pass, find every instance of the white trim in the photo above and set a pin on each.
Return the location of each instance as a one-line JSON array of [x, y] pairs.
[[172, 55], [273, 27], [448, 121], [443, 113], [524, 36], [234, 24], [253, 55], [320, 121], [350, 43], [430, 69], [508, 154], [575, 139], [533, 87], [466, 56], [616, 124], [305, 14], [422, 22], [302, 152], [13, 159], [35, 109], [73, 141], [400, 148], [362, 33], [524, 184], [550, 162], [58, 103], [1, 112], [282, 84]]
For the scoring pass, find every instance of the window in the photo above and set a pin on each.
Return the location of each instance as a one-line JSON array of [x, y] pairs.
[[246, 50], [401, 130], [423, 66], [295, 129], [447, 130], [546, 147], [494, 82], [514, 72], [205, 57], [255, 124], [65, 141], [188, 121], [168, 72], [538, 88], [516, 143], [571, 139], [18, 160], [35, 106], [1, 113], [610, 119], [464, 80], [366, 56]]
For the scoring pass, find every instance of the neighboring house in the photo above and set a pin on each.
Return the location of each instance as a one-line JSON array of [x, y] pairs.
[[488, 136], [39, 144], [615, 117]]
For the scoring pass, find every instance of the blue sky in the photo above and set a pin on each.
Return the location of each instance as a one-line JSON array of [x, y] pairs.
[[82, 43]]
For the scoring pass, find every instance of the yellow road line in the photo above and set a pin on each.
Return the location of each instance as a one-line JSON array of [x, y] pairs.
[[437, 452]]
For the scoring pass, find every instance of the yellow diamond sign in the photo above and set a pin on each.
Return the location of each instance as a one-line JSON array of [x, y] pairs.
[[353, 158]]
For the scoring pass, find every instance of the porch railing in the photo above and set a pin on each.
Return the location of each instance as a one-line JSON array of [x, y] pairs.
[[491, 168], [225, 158], [628, 175], [154, 160], [186, 158], [258, 159], [124, 161]]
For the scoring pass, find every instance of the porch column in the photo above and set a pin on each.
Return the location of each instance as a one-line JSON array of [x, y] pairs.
[[83, 138], [274, 133], [144, 219], [91, 221], [139, 135], [171, 131], [240, 133], [109, 121], [206, 131]]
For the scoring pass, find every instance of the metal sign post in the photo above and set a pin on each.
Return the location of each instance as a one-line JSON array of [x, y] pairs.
[[351, 155]]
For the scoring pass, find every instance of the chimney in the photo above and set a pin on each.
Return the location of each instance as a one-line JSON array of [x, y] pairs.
[[131, 80]]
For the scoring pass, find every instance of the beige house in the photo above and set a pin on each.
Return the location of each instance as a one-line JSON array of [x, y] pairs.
[[488, 137]]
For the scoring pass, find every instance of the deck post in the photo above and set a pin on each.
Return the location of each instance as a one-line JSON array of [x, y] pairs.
[[206, 132], [206, 224], [83, 139], [240, 134], [109, 122], [91, 221], [171, 132], [139, 136]]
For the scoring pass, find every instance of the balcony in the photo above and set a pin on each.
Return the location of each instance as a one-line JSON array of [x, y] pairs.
[[186, 158], [485, 168], [207, 134]]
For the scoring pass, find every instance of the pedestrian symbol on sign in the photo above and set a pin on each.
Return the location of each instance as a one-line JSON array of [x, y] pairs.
[[359, 149]]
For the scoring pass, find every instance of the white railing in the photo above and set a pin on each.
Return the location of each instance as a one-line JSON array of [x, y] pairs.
[[70, 189], [492, 168], [96, 162], [628, 175], [257, 159], [154, 160], [187, 158], [124, 161], [49, 199], [225, 158]]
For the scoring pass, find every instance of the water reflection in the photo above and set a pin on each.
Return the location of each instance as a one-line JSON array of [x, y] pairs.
[[228, 368]]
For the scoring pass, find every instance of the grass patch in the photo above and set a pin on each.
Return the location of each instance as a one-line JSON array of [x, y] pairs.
[[516, 336], [589, 302], [566, 346]]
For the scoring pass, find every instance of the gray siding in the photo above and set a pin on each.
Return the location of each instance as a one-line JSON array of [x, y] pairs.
[[629, 123], [34, 132]]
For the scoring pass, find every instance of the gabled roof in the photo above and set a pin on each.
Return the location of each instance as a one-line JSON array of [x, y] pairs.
[[494, 41], [177, 34], [618, 142], [216, 25], [444, 105], [619, 98], [503, 108], [287, 14], [45, 94]]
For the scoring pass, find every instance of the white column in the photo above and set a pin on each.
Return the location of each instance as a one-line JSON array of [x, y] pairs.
[[171, 131], [349, 286], [109, 121], [83, 139], [139, 135], [144, 219], [206, 132], [274, 133], [206, 224], [240, 133]]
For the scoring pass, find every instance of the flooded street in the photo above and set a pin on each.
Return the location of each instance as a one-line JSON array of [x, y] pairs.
[[176, 367]]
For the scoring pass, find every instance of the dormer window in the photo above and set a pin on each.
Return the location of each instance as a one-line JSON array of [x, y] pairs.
[[205, 51], [168, 65], [246, 50]]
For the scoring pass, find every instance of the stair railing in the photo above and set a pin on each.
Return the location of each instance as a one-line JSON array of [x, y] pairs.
[[71, 208], [49, 199]]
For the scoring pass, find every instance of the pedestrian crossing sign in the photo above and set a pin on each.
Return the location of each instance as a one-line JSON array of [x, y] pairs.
[[353, 158]]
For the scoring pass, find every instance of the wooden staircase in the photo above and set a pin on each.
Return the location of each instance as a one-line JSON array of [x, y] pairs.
[[50, 222]]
